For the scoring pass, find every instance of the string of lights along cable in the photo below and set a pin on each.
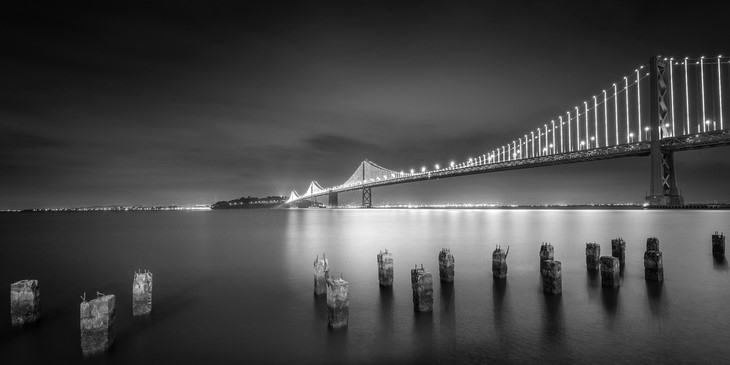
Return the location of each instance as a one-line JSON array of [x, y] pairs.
[[617, 116]]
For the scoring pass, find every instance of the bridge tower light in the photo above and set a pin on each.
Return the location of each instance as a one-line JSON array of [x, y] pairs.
[[605, 117], [423, 169], [595, 117], [412, 171], [702, 87], [686, 94], [615, 109], [638, 101], [585, 107], [719, 89], [627, 106], [437, 166]]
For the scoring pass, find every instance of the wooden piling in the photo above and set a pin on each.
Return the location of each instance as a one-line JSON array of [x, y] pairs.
[[718, 244], [547, 252], [321, 273], [618, 250], [422, 285], [499, 262], [97, 324], [385, 268], [593, 256], [653, 265], [142, 293], [338, 302], [552, 277], [25, 302], [446, 266], [610, 271]]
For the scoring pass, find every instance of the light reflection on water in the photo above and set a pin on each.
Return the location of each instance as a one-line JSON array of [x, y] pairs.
[[237, 285]]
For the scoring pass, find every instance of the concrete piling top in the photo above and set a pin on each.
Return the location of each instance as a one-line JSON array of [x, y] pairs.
[[102, 306], [609, 262], [24, 290], [618, 242], [385, 256], [499, 253], [652, 244], [546, 251], [445, 257]]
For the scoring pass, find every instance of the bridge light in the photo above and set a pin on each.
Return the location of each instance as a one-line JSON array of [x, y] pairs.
[[437, 166], [411, 171], [423, 169], [451, 164]]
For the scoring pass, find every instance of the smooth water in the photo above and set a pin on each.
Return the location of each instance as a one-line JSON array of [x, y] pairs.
[[236, 286]]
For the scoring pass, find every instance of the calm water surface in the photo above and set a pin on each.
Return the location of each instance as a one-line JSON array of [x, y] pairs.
[[236, 286]]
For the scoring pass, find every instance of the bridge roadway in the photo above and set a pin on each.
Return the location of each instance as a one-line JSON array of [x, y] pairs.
[[670, 144]]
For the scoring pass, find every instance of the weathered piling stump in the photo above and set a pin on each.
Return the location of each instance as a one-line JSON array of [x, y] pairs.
[[653, 266], [718, 244], [97, 324], [338, 302], [610, 271], [547, 252], [142, 293], [321, 273], [499, 262], [446, 266], [552, 277], [25, 302], [422, 285], [385, 268], [618, 250], [593, 256]]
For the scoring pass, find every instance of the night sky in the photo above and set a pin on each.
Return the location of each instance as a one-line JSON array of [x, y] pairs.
[[106, 103]]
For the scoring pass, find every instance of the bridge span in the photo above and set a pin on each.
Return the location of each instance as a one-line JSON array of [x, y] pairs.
[[677, 118]]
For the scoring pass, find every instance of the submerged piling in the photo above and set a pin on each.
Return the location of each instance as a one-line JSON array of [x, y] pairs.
[[653, 266], [718, 244], [25, 302], [446, 266], [422, 285], [338, 302], [142, 293], [610, 271], [321, 273], [593, 256], [552, 277], [547, 252], [385, 268], [97, 323], [618, 250], [499, 262]]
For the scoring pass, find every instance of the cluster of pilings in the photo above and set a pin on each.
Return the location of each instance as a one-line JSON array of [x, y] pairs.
[[550, 270], [337, 291], [97, 316], [610, 268]]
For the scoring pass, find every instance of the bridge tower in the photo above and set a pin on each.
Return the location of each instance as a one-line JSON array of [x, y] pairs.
[[333, 201], [663, 182]]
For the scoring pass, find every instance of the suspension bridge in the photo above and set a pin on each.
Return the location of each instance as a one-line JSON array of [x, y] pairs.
[[665, 106]]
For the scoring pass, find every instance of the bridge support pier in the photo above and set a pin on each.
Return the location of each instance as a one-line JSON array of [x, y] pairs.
[[663, 184], [367, 198], [664, 189], [333, 200]]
